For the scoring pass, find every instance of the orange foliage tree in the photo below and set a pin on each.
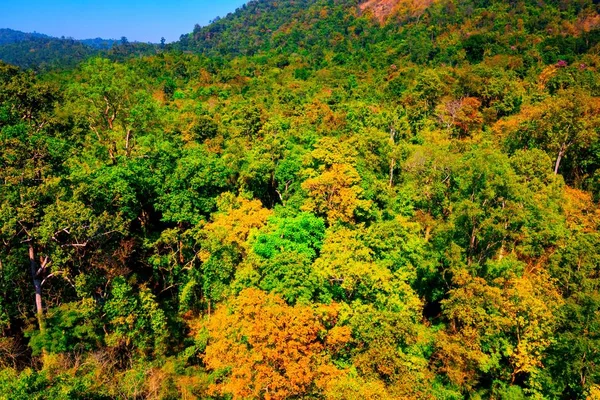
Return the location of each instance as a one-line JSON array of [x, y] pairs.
[[463, 115], [262, 348]]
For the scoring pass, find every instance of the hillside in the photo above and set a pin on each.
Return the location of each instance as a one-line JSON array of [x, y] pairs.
[[310, 199], [429, 31]]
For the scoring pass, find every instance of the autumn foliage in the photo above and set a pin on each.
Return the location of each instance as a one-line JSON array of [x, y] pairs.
[[263, 348], [312, 199]]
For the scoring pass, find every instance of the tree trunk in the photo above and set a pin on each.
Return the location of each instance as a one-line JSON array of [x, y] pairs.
[[127, 139], [392, 160], [561, 154], [37, 284]]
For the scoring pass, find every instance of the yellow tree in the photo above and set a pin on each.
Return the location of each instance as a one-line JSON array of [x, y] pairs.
[[236, 219], [594, 393], [502, 327], [224, 241], [346, 262], [333, 183], [335, 193]]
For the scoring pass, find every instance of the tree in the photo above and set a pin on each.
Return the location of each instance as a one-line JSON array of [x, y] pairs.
[[462, 115], [28, 170], [111, 99], [336, 194], [501, 327], [224, 242], [557, 125], [286, 249], [263, 348]]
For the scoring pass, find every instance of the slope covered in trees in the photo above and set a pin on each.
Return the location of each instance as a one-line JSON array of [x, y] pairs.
[[311, 199]]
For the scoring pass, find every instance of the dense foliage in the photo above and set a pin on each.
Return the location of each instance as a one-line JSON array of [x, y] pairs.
[[310, 199]]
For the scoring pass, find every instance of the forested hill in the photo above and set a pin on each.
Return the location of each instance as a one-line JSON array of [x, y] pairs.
[[391, 199], [42, 52], [428, 31], [12, 36]]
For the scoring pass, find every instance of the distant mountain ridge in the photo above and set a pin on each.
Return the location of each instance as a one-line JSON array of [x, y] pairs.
[[39, 51], [12, 36], [99, 43], [8, 36]]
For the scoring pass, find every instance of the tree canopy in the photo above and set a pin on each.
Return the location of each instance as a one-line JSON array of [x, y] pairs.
[[322, 199]]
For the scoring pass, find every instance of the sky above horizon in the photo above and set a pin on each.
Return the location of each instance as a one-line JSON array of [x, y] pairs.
[[144, 21]]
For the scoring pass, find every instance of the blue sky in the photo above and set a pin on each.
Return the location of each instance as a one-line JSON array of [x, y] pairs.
[[145, 21]]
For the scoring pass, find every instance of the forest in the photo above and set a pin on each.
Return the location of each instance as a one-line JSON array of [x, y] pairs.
[[309, 199]]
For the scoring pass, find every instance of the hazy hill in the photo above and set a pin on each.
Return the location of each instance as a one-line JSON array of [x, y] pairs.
[[12, 36], [44, 52], [99, 43], [41, 52]]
